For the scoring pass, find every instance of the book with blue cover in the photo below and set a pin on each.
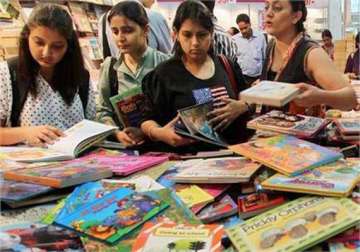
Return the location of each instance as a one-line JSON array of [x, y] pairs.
[[113, 216], [17, 191], [89, 192], [287, 154]]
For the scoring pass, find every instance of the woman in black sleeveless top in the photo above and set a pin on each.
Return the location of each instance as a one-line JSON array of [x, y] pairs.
[[294, 58]]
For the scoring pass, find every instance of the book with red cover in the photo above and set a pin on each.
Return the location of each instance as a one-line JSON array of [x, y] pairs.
[[220, 209], [256, 203], [214, 190]]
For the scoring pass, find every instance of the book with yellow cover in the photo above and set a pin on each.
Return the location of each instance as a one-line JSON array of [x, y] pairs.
[[295, 226], [286, 154], [335, 179], [192, 194], [165, 236]]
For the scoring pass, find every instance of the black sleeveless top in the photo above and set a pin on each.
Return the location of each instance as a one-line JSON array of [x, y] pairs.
[[294, 71]]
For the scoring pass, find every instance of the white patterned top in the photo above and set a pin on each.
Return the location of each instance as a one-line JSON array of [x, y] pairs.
[[48, 108]]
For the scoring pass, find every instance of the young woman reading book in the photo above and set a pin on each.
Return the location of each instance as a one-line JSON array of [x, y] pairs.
[[194, 75], [294, 58], [130, 27], [46, 88]]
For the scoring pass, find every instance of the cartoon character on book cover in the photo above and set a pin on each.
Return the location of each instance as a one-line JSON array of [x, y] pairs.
[[37, 237], [288, 152], [127, 212], [169, 236], [12, 190], [296, 225], [337, 177], [64, 170]]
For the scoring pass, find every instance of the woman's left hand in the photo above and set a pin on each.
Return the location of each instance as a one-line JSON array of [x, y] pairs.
[[224, 116], [310, 95]]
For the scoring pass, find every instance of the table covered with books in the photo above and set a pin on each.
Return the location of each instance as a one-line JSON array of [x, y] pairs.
[[292, 187]]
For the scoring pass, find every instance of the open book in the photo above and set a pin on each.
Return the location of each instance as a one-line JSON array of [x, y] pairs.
[[77, 138], [129, 106], [194, 123], [270, 93]]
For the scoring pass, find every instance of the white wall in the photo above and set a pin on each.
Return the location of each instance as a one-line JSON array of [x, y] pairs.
[[328, 11]]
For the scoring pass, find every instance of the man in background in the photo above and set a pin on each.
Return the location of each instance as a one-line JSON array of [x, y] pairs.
[[251, 49], [223, 43]]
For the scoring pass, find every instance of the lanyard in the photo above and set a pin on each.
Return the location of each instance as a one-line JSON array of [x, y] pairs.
[[289, 53]]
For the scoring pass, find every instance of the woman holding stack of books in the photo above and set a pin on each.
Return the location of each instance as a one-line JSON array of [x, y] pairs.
[[130, 27], [46, 88], [293, 57]]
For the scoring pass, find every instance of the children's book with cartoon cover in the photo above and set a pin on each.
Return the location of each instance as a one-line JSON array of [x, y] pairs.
[[215, 190], [296, 226], [255, 203], [89, 192], [298, 125], [334, 179], [192, 194], [194, 123], [177, 212], [16, 191], [220, 209], [286, 154], [114, 215], [77, 139], [348, 126], [29, 236], [166, 179], [155, 171], [129, 106], [125, 165], [60, 174], [219, 170], [167, 236], [349, 241], [272, 93]]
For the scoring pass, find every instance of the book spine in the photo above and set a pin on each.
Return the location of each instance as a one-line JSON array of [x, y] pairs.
[[32, 179]]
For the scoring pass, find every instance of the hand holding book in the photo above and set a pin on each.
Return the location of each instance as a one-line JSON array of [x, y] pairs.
[[222, 117], [310, 95], [130, 136], [166, 134]]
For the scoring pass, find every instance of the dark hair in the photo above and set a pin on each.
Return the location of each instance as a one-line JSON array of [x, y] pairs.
[[357, 40], [243, 18], [235, 30], [210, 4], [299, 5], [326, 33], [195, 11], [70, 71], [131, 10]]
